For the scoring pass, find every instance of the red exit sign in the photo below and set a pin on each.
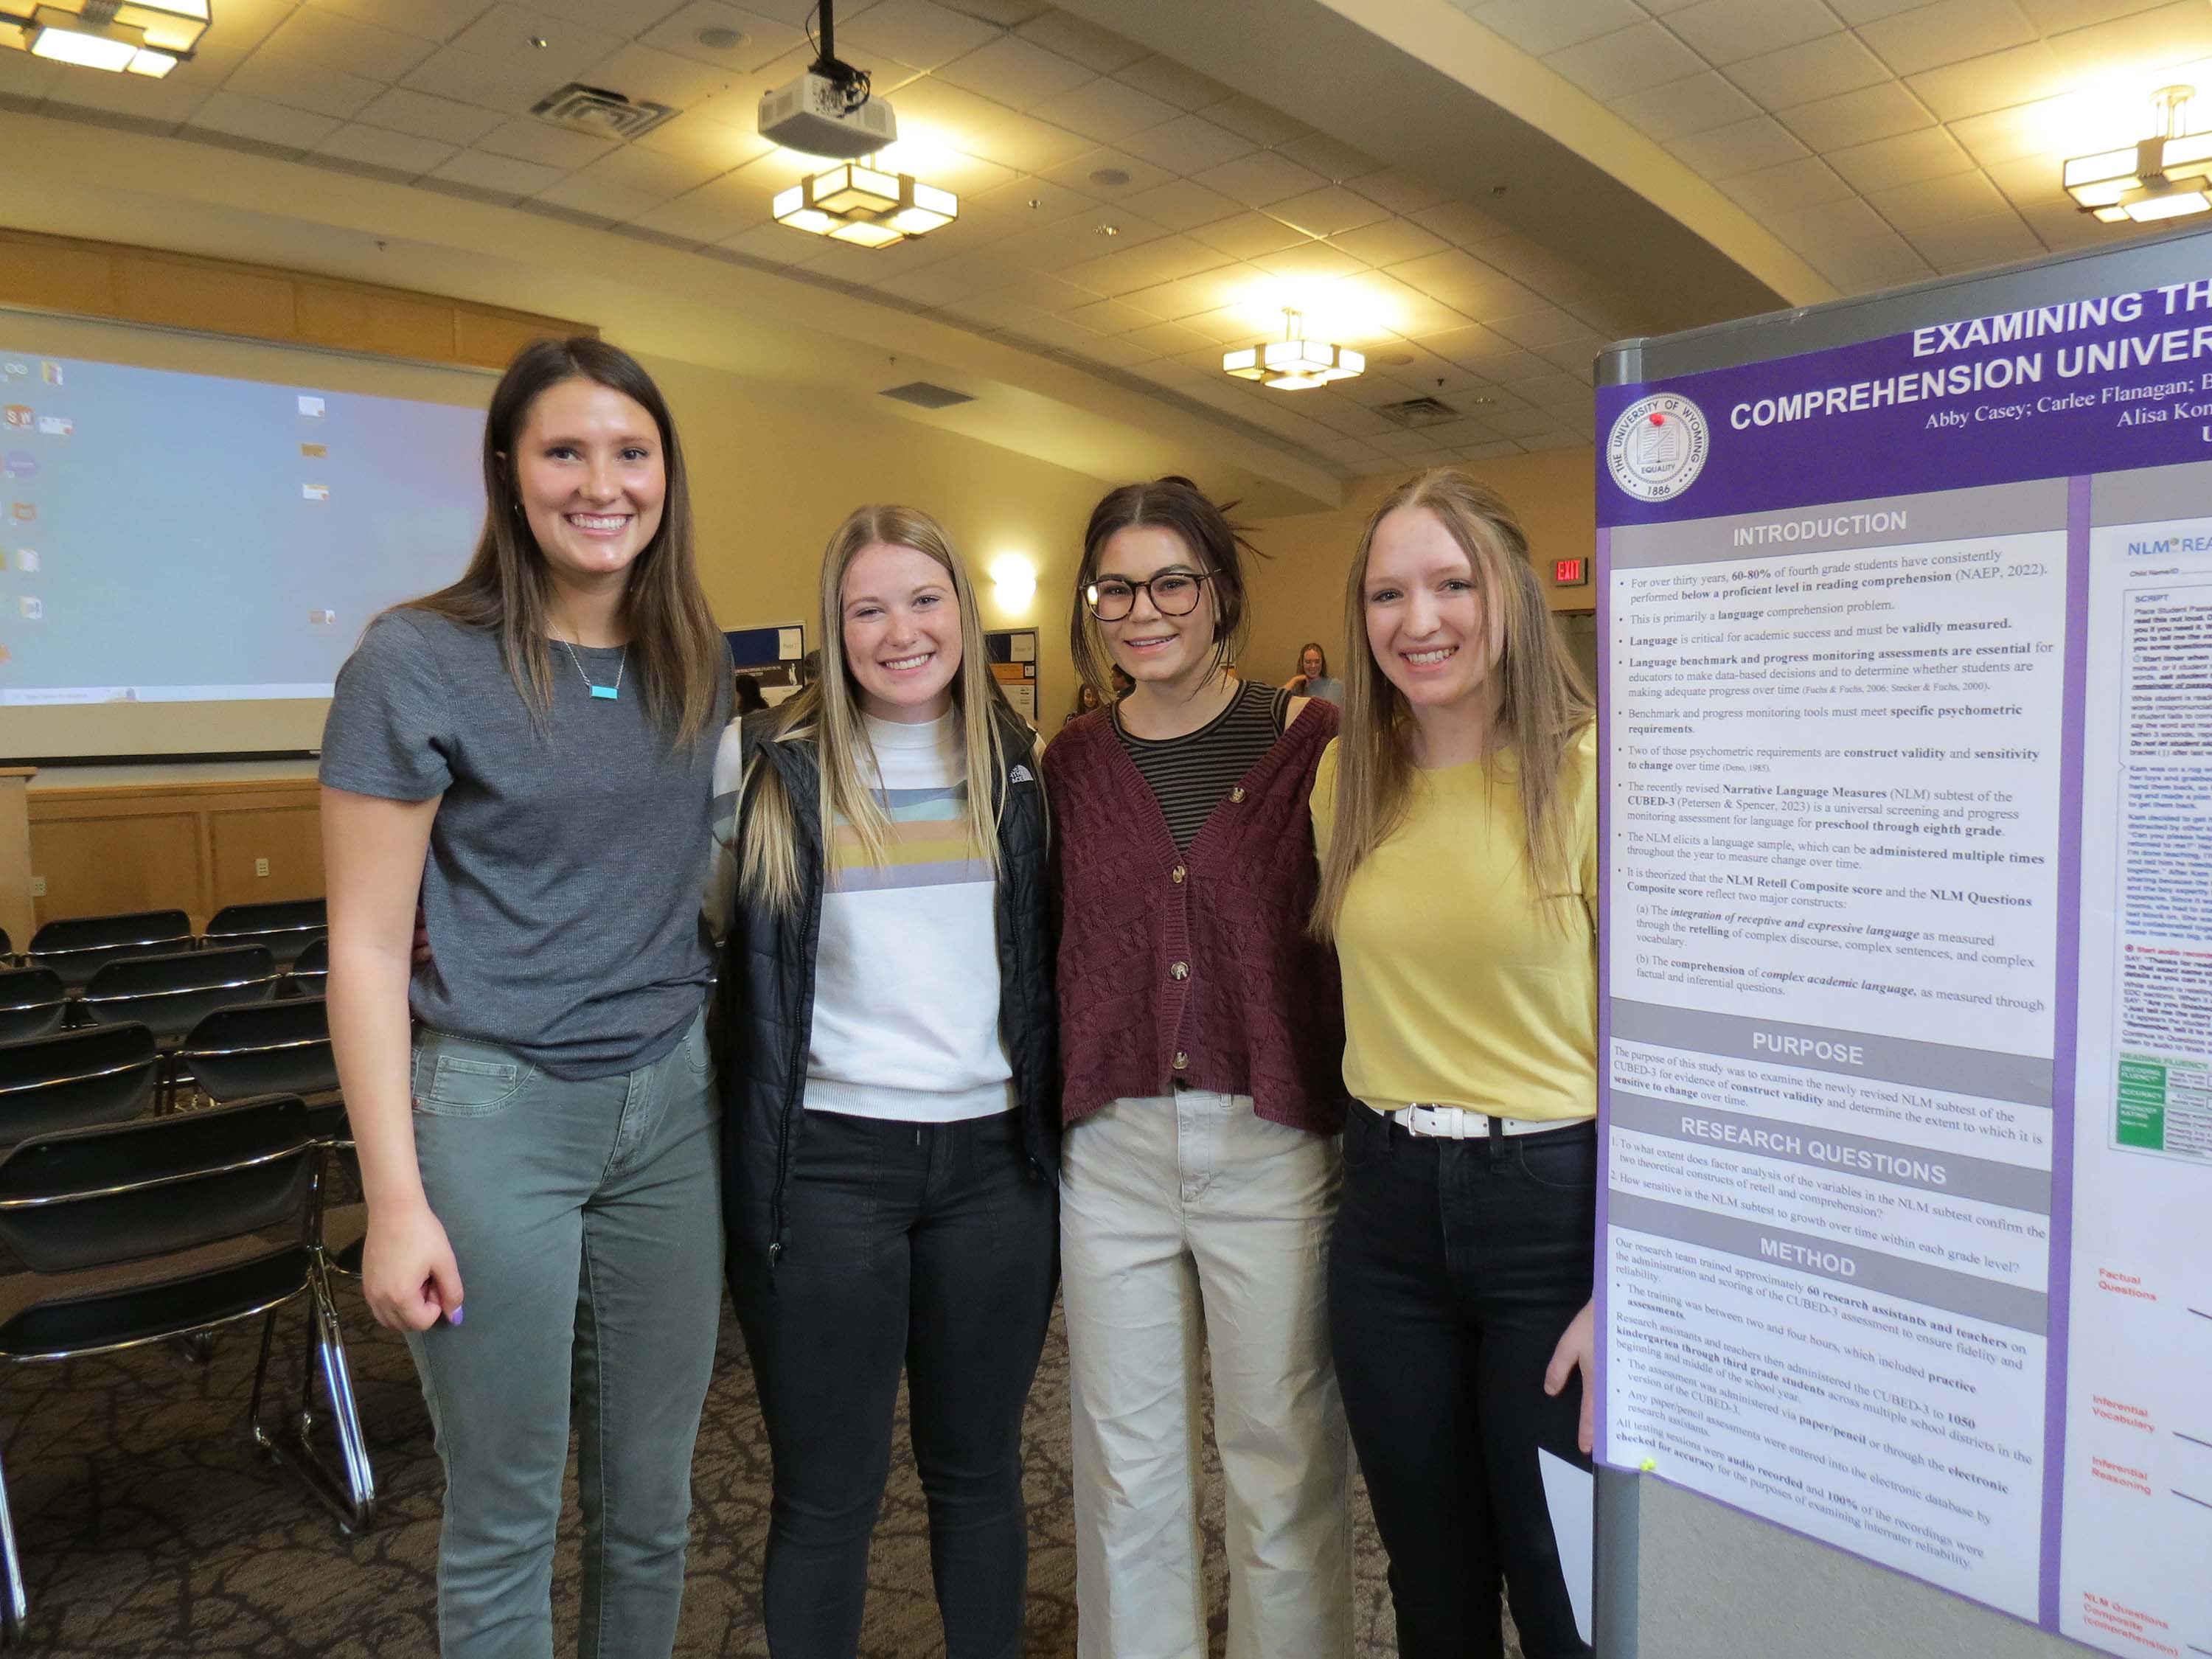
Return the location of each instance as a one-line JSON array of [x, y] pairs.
[[1570, 573]]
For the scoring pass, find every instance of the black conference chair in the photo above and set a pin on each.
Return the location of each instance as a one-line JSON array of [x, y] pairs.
[[71, 1079], [169, 993], [237, 1053], [174, 1227], [287, 926], [77, 946], [33, 1002], [310, 972], [7, 946]]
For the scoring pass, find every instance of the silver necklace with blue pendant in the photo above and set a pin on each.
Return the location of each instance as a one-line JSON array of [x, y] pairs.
[[611, 693]]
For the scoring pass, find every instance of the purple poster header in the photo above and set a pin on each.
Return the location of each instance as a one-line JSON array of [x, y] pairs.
[[2099, 385]]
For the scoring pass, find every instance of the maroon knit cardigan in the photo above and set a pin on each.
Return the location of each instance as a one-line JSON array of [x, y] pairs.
[[1193, 967]]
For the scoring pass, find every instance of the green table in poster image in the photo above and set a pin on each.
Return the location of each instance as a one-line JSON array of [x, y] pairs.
[[2164, 1105]]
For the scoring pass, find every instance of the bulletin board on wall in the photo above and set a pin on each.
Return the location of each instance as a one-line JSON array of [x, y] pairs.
[[770, 655], [1014, 665]]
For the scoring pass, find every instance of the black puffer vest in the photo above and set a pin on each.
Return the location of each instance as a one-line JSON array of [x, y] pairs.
[[767, 999]]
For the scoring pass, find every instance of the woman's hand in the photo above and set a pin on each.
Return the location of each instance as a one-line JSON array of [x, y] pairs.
[[1578, 1350], [408, 1272]]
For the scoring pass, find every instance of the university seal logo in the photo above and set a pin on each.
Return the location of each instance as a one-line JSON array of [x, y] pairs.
[[1658, 447]]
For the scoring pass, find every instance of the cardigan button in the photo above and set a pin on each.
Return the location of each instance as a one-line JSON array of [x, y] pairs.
[[1181, 1059], [1236, 795], [1178, 970], [1177, 873]]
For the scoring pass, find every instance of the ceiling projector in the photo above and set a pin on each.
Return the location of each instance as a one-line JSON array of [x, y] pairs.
[[827, 113]]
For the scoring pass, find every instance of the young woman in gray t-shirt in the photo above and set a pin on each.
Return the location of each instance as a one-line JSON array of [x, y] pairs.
[[529, 751]]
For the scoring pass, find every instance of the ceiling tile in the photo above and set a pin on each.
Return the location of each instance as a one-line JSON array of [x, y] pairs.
[[1458, 223], [315, 36], [1167, 338], [2174, 34], [1794, 183], [1126, 270], [2006, 135], [1311, 262], [1723, 31], [498, 174], [1199, 295], [1188, 144], [2033, 185], [917, 31], [661, 77], [1018, 74], [702, 216], [776, 245], [1263, 124], [762, 36], [1465, 284], [1326, 211], [1108, 110], [247, 23], [1908, 159], [1162, 77], [1249, 235], [658, 175], [1075, 173], [302, 84], [1101, 50], [1739, 147], [1628, 60], [431, 19], [1391, 242], [1180, 204], [101, 92], [400, 152], [1337, 162], [1693, 104], [1029, 145], [2056, 16], [211, 66], [1948, 32], [507, 34], [1936, 202], [1399, 191], [1819, 68], [1855, 12], [707, 144], [469, 78], [526, 138], [422, 116], [1260, 179], [1109, 317], [1542, 26], [1829, 224], [246, 117], [1970, 245], [629, 15], [1232, 324], [2021, 75], [1857, 117]]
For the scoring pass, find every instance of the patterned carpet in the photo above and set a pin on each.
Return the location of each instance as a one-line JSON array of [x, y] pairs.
[[149, 1527]]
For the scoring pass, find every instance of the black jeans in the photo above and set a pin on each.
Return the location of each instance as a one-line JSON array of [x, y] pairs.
[[936, 1246], [1454, 1269]]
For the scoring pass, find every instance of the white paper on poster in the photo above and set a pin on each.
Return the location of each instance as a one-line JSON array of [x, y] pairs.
[[790, 644], [1024, 647]]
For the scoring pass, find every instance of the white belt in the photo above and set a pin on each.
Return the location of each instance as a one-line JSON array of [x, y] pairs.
[[1465, 1123]]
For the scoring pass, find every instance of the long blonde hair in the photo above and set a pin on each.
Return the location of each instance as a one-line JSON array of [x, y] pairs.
[[829, 713], [1543, 704], [681, 658]]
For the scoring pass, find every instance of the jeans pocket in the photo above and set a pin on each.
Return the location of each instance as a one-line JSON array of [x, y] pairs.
[[1363, 1131], [462, 1086], [1563, 1161], [698, 1050]]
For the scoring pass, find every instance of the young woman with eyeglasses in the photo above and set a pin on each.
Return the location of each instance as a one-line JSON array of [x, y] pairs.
[[1458, 824], [529, 752], [891, 1125], [1201, 1038]]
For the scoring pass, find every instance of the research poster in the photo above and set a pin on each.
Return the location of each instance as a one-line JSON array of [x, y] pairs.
[[1907, 951]]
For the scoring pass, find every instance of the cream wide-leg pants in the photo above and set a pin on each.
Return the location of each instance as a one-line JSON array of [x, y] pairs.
[[1190, 1226]]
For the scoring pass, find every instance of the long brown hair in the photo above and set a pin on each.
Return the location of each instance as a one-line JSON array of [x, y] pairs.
[[829, 712], [1543, 704], [1216, 542], [681, 658]]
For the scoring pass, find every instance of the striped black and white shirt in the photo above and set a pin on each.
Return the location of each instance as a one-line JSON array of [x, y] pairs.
[[1190, 775]]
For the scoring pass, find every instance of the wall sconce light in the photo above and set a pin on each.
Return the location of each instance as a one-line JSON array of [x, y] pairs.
[[1013, 581]]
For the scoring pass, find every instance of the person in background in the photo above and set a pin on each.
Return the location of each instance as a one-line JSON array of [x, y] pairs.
[[530, 751], [1120, 684], [1457, 818], [1201, 1035], [748, 699], [1313, 678], [1087, 698], [892, 1124]]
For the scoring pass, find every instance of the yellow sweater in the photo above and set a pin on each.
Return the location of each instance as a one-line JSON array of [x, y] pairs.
[[1463, 985]]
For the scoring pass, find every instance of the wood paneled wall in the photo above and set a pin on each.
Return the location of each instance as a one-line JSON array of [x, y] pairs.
[[193, 845], [259, 303]]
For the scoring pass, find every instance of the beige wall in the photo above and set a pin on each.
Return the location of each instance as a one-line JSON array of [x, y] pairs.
[[1298, 593]]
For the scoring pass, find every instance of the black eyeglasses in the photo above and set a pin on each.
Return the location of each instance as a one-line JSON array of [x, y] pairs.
[[1174, 593]]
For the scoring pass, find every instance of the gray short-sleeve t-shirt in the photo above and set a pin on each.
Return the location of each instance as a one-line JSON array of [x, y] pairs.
[[562, 889]]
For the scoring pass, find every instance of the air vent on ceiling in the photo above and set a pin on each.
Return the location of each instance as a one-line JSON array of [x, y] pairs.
[[601, 113], [922, 395], [1418, 411]]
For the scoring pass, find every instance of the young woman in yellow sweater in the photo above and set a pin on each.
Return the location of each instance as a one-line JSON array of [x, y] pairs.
[[1456, 818]]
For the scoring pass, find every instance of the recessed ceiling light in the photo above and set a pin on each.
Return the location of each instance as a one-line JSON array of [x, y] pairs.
[[719, 39], [1109, 230], [1395, 359], [1110, 177], [539, 41], [1036, 201]]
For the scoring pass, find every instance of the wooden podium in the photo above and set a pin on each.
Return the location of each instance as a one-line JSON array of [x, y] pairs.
[[16, 912]]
